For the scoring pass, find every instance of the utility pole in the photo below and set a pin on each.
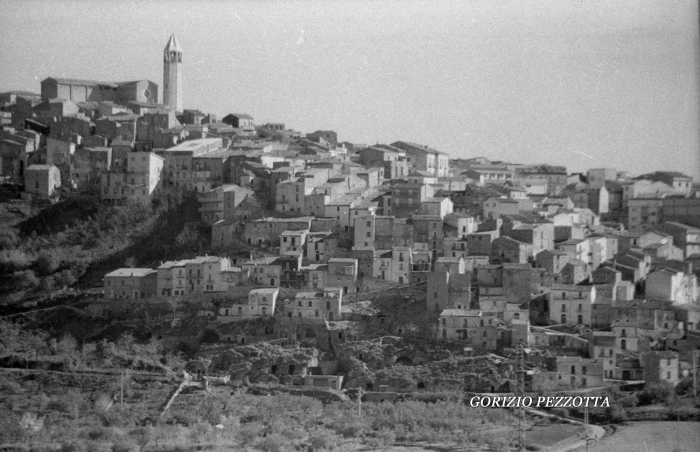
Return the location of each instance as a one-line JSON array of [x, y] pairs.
[[520, 390], [586, 432], [359, 402], [695, 373], [122, 390]]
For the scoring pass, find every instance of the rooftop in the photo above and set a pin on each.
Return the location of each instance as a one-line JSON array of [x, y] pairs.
[[130, 272]]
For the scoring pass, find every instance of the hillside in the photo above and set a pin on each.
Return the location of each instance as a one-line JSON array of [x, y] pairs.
[[76, 241]]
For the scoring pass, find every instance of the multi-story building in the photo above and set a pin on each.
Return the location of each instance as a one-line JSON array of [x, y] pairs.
[[424, 158], [260, 303], [95, 91], [342, 273], [577, 372], [679, 182], [682, 209], [686, 237], [571, 304], [290, 194], [223, 203], [265, 270], [448, 290], [269, 230], [131, 283], [320, 246], [669, 284], [661, 367], [42, 180], [601, 346], [178, 170], [626, 336], [476, 328], [315, 306], [508, 250], [137, 179], [597, 177], [644, 213], [406, 199], [293, 243], [489, 174], [554, 176]]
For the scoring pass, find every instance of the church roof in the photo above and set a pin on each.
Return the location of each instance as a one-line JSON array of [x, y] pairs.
[[173, 45]]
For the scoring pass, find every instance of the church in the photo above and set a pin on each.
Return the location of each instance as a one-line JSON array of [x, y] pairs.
[[142, 91]]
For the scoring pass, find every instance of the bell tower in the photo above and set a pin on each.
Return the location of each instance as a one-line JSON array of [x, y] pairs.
[[172, 74]]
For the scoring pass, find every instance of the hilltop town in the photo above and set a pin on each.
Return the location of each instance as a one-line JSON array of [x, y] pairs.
[[392, 269]]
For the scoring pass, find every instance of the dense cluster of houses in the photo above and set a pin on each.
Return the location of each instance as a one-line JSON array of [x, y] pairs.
[[498, 247]]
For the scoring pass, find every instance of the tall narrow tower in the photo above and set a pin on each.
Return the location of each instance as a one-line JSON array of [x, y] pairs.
[[172, 74]]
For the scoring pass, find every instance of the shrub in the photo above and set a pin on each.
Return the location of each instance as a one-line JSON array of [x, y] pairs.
[[655, 393], [10, 430], [249, 432], [353, 428], [382, 438], [618, 414], [13, 260], [47, 283], [125, 445], [561, 412], [8, 239], [25, 279], [322, 440], [273, 443], [210, 337], [73, 446], [65, 278], [46, 262], [630, 401]]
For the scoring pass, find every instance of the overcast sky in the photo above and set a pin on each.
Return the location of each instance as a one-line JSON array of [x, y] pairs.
[[582, 83]]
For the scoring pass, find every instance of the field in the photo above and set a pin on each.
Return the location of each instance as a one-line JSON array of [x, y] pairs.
[[546, 435], [651, 437]]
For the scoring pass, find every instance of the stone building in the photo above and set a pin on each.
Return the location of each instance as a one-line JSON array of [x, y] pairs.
[[42, 180]]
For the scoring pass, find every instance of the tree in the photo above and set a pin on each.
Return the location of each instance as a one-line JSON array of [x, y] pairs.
[[47, 283], [172, 304], [126, 343], [46, 262], [25, 279], [8, 239], [130, 262], [65, 278]]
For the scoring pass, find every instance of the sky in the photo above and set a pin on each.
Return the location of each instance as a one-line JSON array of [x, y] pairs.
[[581, 83]]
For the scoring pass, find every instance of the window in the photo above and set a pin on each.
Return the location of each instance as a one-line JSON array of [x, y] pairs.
[[311, 303]]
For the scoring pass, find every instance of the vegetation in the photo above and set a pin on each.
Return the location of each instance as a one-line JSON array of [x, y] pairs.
[[78, 420], [45, 249]]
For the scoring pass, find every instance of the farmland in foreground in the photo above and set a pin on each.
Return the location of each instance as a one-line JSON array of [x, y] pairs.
[[651, 437]]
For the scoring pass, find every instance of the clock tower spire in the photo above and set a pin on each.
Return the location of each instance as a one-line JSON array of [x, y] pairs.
[[172, 74]]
